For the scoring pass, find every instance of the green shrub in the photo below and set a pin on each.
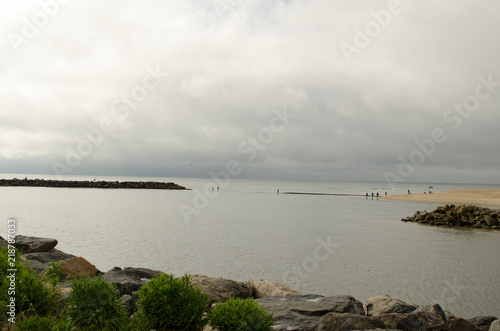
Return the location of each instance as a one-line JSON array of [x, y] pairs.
[[240, 314], [94, 303], [34, 322], [168, 302], [32, 295], [54, 272]]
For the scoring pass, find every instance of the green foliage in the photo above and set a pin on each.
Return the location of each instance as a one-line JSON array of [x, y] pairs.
[[34, 322], [32, 295], [168, 302], [95, 304], [240, 314], [54, 272]]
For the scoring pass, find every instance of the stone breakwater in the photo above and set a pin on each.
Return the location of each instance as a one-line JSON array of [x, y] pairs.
[[90, 184], [291, 309], [460, 216]]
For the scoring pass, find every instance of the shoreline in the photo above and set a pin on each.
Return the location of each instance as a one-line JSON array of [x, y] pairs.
[[465, 197]]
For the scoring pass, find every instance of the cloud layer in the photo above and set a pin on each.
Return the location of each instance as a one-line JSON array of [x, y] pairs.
[[148, 88]]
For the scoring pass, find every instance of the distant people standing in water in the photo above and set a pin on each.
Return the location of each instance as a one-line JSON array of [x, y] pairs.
[[278, 191], [367, 194], [385, 193], [409, 191], [377, 194], [372, 194]]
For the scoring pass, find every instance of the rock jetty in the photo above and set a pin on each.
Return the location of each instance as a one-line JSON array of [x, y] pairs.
[[90, 184], [291, 309], [460, 216]]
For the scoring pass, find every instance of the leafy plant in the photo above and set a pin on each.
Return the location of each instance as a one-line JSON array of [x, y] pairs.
[[31, 295], [240, 314], [54, 272], [168, 302], [94, 303], [34, 322]]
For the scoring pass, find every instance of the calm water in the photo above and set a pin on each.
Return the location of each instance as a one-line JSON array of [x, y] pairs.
[[247, 231]]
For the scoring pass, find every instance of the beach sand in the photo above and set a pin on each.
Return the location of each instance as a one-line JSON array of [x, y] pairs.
[[463, 197]]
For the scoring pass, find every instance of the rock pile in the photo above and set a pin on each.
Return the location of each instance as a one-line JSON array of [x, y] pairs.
[[90, 184], [291, 309], [461, 215]]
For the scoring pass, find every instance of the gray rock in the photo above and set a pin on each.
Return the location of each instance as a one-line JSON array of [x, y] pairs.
[[129, 279], [34, 244], [435, 309], [495, 326], [384, 304], [483, 322], [303, 312], [460, 324], [419, 321], [39, 261], [128, 303], [3, 242], [346, 322], [220, 289]]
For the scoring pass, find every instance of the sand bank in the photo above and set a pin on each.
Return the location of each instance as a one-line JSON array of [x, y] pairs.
[[466, 197]]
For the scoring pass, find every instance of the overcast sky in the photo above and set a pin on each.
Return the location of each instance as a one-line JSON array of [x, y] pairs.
[[328, 89]]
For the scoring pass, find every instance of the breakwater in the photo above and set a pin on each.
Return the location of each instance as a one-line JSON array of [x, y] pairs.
[[91, 184]]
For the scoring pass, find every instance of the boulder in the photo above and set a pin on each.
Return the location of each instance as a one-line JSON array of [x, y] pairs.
[[41, 260], [303, 312], [129, 279], [34, 244], [341, 322], [460, 324], [77, 267], [435, 309], [384, 304], [413, 321], [220, 289], [490, 220], [495, 326], [482, 322], [263, 288]]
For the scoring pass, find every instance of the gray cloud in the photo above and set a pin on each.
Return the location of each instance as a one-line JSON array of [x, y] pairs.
[[229, 66]]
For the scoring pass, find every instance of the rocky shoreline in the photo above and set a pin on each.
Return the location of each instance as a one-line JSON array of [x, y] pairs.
[[458, 216], [90, 184], [291, 310]]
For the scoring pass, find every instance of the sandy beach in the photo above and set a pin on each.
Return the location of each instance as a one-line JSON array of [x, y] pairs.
[[467, 197]]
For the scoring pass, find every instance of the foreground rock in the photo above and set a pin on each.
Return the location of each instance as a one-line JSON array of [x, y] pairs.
[[77, 267], [346, 322], [220, 289], [129, 279], [90, 184], [41, 260], [303, 312], [34, 244], [263, 288], [461, 215], [384, 304]]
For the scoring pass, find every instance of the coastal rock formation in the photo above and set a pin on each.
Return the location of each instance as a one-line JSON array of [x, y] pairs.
[[264, 288], [77, 267], [346, 322], [495, 326], [220, 289], [41, 260], [384, 304], [34, 244], [483, 322], [90, 184], [129, 279], [461, 215], [303, 312]]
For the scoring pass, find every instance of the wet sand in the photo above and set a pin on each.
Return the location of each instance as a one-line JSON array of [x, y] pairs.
[[465, 197]]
